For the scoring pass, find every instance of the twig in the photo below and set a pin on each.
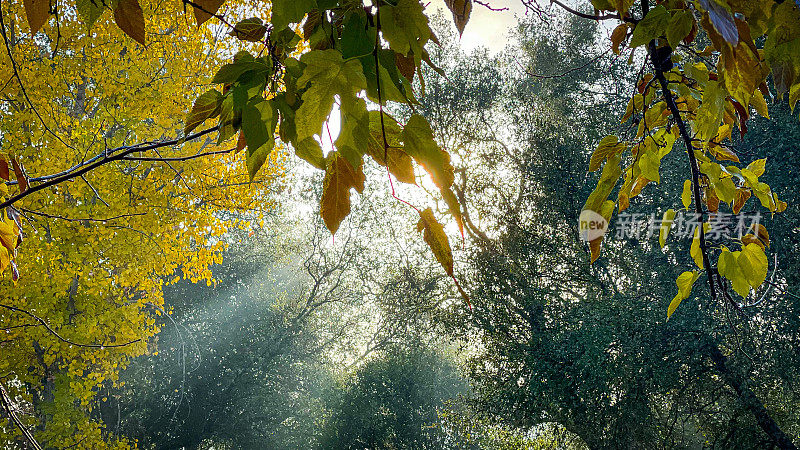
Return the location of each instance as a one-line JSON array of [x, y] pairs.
[[80, 219], [61, 338], [19, 80], [6, 400], [103, 158]]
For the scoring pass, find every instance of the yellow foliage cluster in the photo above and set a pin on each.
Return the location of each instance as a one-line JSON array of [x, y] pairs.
[[97, 250]]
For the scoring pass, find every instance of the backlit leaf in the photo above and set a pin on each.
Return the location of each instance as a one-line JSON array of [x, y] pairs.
[[340, 177], [206, 106], [685, 282], [435, 237]]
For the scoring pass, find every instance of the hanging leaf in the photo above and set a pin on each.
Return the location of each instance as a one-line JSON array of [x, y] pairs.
[[129, 18], [207, 106], [686, 195], [258, 125], [326, 75], [419, 143], [405, 28], [339, 178], [290, 11], [89, 10], [685, 282], [251, 30], [37, 12], [22, 180], [435, 237], [666, 226], [4, 173], [461, 10], [206, 9], [653, 25], [695, 250]]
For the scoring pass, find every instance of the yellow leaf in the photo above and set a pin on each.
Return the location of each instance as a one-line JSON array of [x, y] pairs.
[[686, 195], [760, 104], [757, 167], [685, 282], [666, 226], [435, 237], [607, 147], [695, 250], [753, 263]]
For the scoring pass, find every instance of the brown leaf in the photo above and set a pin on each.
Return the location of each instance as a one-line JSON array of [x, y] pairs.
[[461, 10], [129, 18], [206, 9], [241, 143], [405, 64], [436, 239], [22, 181], [4, 174], [339, 178], [741, 197], [37, 12], [252, 30], [617, 36]]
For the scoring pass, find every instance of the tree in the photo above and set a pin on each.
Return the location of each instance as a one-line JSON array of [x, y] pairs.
[[98, 250], [394, 401], [689, 95], [237, 365], [587, 347]]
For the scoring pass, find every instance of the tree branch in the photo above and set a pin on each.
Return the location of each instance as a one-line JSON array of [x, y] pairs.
[[103, 158]]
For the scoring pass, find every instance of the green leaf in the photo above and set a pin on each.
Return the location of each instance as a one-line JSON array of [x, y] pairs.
[[231, 72], [309, 150], [251, 30], [354, 133], [405, 27], [89, 10], [607, 147], [326, 75], [357, 39], [285, 12], [680, 25], [420, 145], [653, 25], [685, 282], [206, 106], [390, 92], [258, 126], [399, 163]]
